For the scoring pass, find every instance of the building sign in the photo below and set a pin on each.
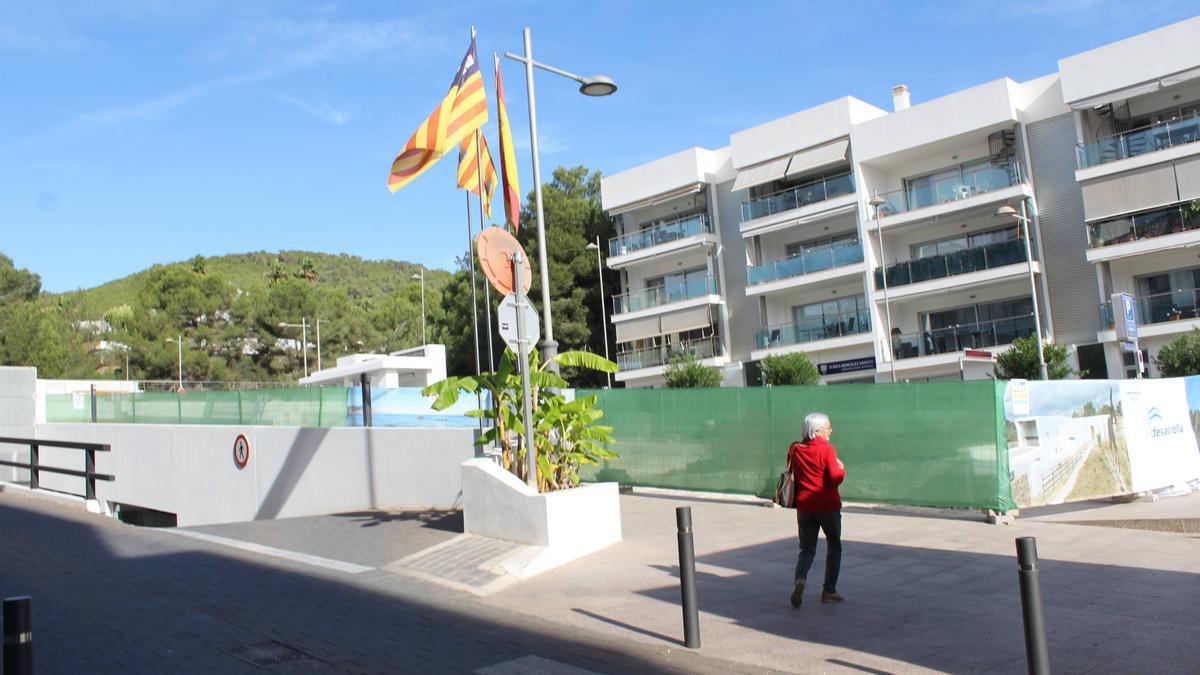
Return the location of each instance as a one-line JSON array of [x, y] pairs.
[[1124, 317], [848, 366]]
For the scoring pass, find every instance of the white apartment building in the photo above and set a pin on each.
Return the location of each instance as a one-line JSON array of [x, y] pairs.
[[879, 244]]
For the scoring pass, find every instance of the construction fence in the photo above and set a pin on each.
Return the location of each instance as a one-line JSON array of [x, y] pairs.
[[933, 443]]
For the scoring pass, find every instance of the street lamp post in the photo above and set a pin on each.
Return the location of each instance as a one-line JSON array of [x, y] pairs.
[[318, 345], [603, 313], [179, 343], [303, 326], [877, 201], [1007, 211], [421, 276], [596, 85]]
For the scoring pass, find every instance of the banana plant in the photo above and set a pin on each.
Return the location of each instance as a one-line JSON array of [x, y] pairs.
[[566, 434]]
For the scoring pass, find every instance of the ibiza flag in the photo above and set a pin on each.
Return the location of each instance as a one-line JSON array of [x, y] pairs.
[[508, 157], [460, 113], [468, 169]]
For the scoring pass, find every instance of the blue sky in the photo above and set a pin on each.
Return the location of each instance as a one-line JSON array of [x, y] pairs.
[[134, 132]]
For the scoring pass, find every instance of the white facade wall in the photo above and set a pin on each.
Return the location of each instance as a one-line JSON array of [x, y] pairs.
[[886, 148]]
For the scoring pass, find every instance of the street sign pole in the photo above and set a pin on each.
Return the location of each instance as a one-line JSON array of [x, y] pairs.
[[523, 356]]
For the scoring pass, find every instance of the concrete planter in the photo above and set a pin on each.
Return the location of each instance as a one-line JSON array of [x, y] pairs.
[[563, 525]]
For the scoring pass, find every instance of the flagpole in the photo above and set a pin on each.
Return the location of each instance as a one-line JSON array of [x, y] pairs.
[[486, 287], [474, 300]]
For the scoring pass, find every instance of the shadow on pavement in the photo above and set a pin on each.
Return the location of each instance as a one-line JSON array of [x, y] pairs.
[[112, 598], [446, 521]]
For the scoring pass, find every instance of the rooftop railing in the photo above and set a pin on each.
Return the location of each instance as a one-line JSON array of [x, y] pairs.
[[813, 260], [1139, 141], [1182, 303], [1173, 219], [660, 233], [811, 330], [697, 287], [800, 195], [952, 264], [966, 336], [650, 357], [972, 179]]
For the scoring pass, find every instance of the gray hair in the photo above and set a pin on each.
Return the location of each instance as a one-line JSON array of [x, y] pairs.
[[814, 422]]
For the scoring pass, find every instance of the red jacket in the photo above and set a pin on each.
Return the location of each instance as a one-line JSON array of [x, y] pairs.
[[815, 468]]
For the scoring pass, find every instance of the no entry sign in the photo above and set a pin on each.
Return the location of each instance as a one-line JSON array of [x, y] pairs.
[[241, 451]]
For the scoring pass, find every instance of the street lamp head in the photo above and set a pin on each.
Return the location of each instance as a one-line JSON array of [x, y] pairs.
[[418, 276], [877, 201], [592, 246], [597, 85], [1007, 211]]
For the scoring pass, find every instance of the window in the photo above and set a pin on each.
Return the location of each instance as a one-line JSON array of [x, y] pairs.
[[974, 326], [832, 318], [680, 285], [964, 242], [796, 249], [1168, 296]]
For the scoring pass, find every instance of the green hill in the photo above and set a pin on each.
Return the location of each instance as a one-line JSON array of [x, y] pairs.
[[359, 278]]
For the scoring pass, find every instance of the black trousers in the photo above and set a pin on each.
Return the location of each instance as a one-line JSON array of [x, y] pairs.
[[810, 525]]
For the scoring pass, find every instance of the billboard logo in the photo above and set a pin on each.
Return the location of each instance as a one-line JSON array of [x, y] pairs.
[[1161, 430], [1154, 415]]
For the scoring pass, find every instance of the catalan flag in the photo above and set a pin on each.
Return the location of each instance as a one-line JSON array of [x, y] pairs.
[[468, 169], [508, 157], [461, 112]]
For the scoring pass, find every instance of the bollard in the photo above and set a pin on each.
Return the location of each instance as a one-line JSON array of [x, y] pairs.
[[18, 636], [365, 381], [687, 577], [1031, 607]]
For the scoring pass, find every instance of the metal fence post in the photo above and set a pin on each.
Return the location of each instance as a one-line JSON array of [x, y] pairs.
[[18, 635], [687, 577], [89, 466], [1031, 607], [93, 390], [365, 381], [34, 462]]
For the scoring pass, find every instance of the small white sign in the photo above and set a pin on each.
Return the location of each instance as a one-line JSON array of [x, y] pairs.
[[506, 318], [1020, 396]]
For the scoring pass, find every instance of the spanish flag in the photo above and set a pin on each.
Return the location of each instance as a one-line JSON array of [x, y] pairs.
[[461, 112], [508, 157], [468, 169]]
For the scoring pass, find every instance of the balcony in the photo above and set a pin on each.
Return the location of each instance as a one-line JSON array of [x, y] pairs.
[[1171, 220], [664, 295], [660, 233], [798, 196], [1183, 303], [812, 330], [652, 357], [967, 336], [808, 262], [961, 182], [952, 264], [1139, 141]]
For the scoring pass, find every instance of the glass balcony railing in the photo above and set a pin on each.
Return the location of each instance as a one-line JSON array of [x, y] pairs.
[[957, 338], [1181, 218], [811, 330], [663, 295], [1182, 303], [660, 233], [801, 195], [971, 180], [808, 262], [952, 264], [704, 348], [1139, 141]]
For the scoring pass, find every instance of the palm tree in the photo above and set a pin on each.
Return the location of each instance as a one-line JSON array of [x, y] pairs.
[[277, 273], [308, 270], [199, 266]]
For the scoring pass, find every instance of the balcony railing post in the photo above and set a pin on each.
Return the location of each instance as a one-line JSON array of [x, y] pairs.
[[89, 465], [34, 462]]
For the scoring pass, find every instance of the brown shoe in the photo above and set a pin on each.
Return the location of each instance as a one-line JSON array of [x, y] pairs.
[[831, 597]]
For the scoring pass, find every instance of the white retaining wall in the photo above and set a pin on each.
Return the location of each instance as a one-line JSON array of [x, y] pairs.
[[18, 399], [190, 471]]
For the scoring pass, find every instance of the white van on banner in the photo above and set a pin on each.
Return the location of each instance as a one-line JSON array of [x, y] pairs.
[[1073, 440]]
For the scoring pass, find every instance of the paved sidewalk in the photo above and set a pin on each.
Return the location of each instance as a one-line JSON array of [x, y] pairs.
[[928, 591]]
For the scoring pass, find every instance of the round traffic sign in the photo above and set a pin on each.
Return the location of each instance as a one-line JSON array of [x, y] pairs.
[[241, 451]]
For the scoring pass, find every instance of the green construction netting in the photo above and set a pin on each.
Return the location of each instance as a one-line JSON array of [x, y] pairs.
[[933, 444], [302, 407]]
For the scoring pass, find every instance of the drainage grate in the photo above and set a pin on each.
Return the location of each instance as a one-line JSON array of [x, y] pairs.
[[268, 653]]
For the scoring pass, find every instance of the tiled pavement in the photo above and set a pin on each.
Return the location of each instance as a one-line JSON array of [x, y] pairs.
[[928, 591]]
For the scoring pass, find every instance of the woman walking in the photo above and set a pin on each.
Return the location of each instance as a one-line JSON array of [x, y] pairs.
[[818, 472]]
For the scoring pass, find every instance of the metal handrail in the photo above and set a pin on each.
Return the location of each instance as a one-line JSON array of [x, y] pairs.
[[35, 467], [1186, 126], [662, 295], [811, 261], [1006, 174], [790, 197], [966, 261], [649, 357], [1160, 307], [962, 336]]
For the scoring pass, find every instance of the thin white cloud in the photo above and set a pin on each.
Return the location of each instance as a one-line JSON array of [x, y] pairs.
[[155, 107], [322, 111], [549, 143], [286, 45]]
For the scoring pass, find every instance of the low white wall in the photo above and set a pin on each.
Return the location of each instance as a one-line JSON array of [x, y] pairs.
[[567, 524], [18, 396], [190, 471]]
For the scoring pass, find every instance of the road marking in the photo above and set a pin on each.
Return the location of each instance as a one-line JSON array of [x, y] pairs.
[[304, 558]]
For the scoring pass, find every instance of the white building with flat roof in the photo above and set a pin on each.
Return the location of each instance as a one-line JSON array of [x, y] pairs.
[[871, 239], [416, 367]]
